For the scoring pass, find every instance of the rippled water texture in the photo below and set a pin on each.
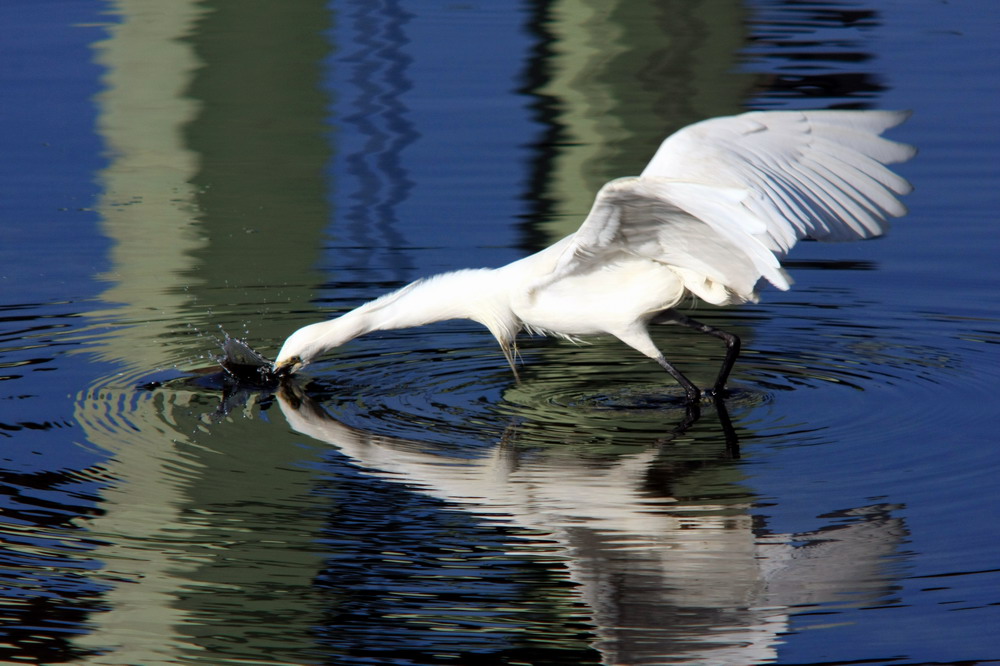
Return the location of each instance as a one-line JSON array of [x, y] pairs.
[[176, 173]]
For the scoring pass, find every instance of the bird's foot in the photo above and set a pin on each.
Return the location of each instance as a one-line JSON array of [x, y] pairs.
[[715, 393]]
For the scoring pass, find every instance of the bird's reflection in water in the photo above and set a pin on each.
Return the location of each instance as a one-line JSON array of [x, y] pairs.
[[664, 577]]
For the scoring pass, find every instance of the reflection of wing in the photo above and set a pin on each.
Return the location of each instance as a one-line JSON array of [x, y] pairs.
[[728, 197], [660, 575], [824, 560]]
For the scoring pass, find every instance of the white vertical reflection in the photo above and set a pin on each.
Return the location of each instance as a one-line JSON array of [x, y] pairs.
[[142, 112], [147, 206]]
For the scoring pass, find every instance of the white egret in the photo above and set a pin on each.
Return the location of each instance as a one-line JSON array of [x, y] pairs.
[[720, 203]]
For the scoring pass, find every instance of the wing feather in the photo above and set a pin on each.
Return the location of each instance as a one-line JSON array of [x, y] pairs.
[[724, 199], [776, 155]]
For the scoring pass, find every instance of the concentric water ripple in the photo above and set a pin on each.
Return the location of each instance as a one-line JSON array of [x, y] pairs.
[[451, 388], [595, 435], [458, 388]]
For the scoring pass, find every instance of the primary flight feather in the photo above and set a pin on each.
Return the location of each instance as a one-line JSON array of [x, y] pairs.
[[712, 214]]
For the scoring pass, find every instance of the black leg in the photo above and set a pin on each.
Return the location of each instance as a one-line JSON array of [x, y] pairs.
[[732, 345], [693, 414], [728, 431], [690, 390]]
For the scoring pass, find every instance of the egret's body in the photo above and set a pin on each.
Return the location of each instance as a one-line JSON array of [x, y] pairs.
[[719, 205]]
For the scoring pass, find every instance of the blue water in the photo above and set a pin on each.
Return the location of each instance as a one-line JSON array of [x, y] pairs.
[[179, 172]]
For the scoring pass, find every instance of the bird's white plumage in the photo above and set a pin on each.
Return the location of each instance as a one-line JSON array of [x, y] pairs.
[[744, 189], [714, 211]]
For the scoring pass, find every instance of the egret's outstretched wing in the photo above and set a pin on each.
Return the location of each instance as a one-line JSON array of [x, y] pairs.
[[724, 199], [811, 174]]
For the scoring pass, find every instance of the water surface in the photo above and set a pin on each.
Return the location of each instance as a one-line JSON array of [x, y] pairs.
[[178, 173]]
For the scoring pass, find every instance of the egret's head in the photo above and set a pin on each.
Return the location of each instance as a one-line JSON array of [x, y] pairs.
[[301, 348], [287, 366]]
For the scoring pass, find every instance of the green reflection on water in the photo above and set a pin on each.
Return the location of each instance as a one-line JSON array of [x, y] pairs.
[[215, 200], [623, 75], [263, 137]]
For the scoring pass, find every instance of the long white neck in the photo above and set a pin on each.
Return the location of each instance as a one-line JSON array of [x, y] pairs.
[[468, 294]]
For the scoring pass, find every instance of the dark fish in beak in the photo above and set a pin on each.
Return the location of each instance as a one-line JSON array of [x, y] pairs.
[[246, 366]]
